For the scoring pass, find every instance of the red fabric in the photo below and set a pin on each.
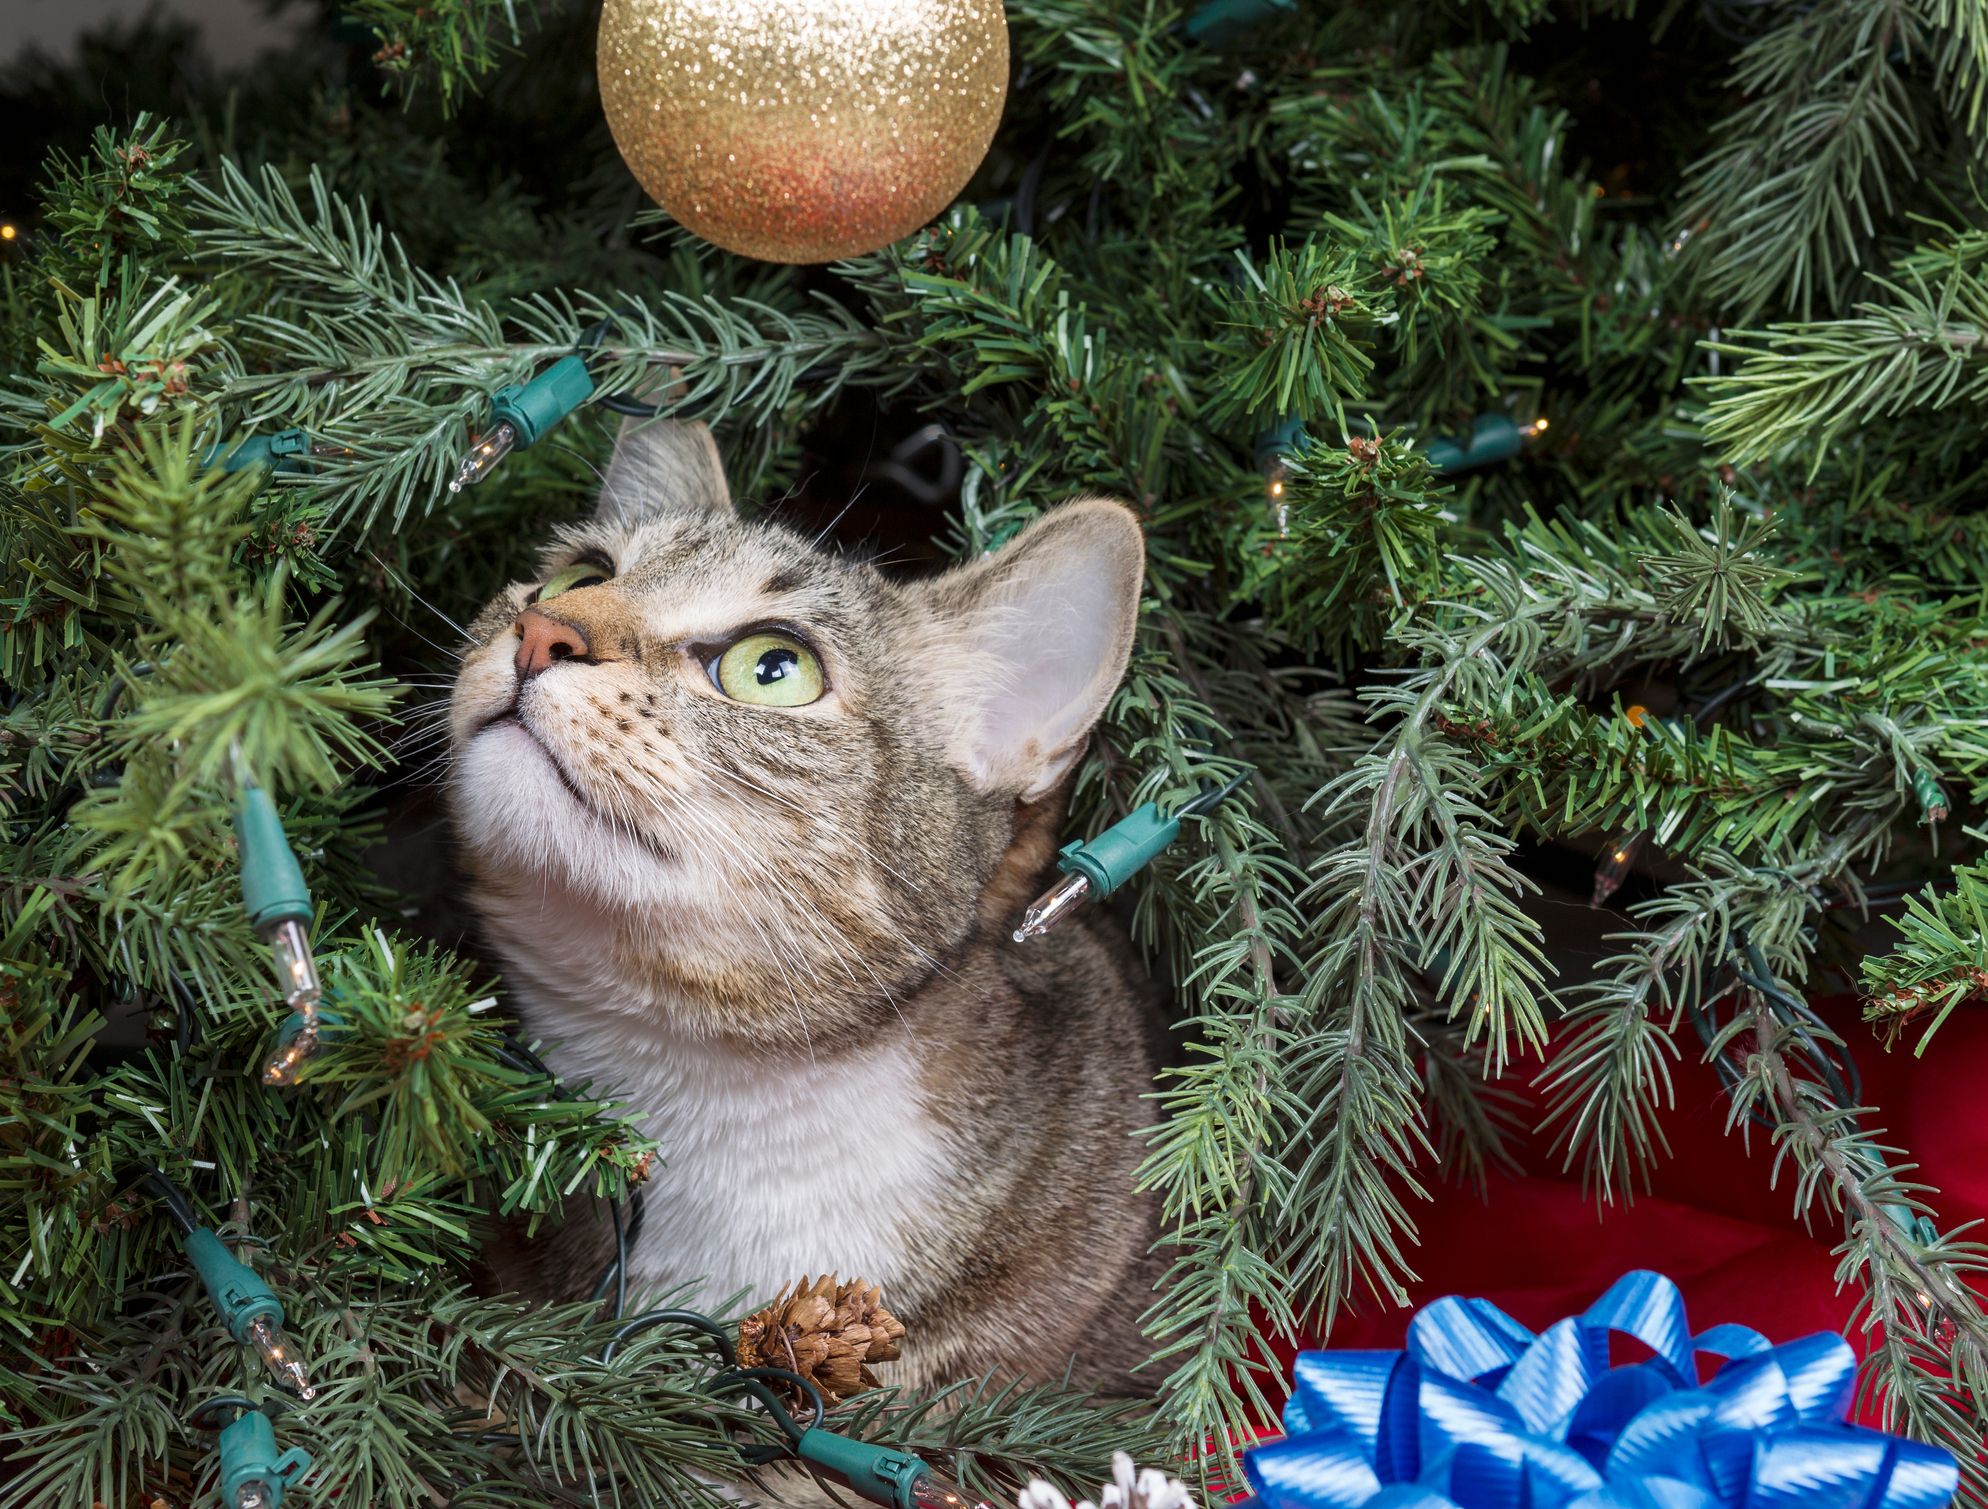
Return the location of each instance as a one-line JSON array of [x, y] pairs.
[[1713, 1220]]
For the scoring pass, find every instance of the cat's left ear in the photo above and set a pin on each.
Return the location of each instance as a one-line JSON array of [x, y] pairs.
[[1032, 641], [662, 467]]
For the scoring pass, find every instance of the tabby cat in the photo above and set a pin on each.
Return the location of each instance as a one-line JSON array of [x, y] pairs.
[[748, 825]]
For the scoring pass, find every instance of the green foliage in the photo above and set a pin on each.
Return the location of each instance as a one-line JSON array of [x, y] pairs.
[[1726, 610], [1303, 310], [1360, 543], [119, 200], [1787, 204]]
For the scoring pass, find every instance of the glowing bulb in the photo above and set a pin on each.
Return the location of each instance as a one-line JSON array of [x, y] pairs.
[[1274, 490], [300, 1040], [9, 232], [297, 979], [280, 1357], [1536, 428], [484, 454], [296, 970], [1614, 869]]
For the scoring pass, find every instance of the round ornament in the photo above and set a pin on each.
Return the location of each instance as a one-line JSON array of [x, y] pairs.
[[803, 130]]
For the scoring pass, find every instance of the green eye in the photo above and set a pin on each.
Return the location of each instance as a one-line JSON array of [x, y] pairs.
[[571, 578], [771, 670]]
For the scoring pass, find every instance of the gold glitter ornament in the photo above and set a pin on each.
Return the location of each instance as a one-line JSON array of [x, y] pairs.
[[803, 130]]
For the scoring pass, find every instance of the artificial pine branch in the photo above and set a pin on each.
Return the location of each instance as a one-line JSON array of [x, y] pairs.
[[1375, 224]]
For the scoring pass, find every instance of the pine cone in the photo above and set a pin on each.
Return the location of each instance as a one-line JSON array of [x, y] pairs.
[[827, 1332]]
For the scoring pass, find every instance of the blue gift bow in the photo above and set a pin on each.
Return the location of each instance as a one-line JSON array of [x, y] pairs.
[[1479, 1413]]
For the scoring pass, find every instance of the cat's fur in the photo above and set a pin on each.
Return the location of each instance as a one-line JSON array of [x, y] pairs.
[[782, 934]]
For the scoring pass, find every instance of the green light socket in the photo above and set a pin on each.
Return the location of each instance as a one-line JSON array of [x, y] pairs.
[[533, 408], [283, 451], [1112, 857], [248, 1455], [1221, 22], [1283, 438], [237, 1292], [273, 888], [1493, 438], [882, 1474]]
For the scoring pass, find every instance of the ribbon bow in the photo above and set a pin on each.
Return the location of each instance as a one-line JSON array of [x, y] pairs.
[[1479, 1413]]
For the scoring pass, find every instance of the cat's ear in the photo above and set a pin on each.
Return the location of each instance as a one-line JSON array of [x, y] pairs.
[[663, 467], [1031, 642]]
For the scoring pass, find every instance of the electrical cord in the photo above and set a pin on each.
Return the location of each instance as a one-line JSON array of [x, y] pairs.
[[198, 1414], [755, 1381], [1798, 1016], [168, 1194], [752, 1381], [1214, 796]]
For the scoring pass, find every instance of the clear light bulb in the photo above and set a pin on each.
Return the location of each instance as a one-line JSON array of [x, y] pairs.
[[253, 1494], [297, 1045], [297, 978], [930, 1491], [1052, 906], [484, 454], [280, 1357], [296, 970], [1274, 490], [1614, 868]]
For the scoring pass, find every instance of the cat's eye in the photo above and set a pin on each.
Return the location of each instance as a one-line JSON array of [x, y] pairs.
[[582, 573], [770, 669]]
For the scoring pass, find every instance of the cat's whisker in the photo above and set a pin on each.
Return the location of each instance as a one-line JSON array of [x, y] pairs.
[[408, 587], [761, 868], [757, 866], [824, 931], [670, 813], [871, 854], [829, 528]]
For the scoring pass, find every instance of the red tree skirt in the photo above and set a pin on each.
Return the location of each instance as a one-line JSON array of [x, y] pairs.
[[1712, 1220]]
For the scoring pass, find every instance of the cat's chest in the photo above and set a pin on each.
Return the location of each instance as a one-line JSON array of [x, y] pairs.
[[768, 1172]]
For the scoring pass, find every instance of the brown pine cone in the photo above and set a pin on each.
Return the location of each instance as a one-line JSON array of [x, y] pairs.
[[827, 1332]]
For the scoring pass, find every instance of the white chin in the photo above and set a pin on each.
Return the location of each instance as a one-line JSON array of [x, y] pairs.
[[516, 813]]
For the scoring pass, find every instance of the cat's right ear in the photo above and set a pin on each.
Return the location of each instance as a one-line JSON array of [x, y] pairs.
[[663, 468]]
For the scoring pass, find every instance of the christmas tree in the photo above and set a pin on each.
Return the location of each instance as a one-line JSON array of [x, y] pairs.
[[1553, 426]]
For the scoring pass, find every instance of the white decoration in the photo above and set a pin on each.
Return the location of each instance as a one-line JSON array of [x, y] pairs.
[[1131, 1488]]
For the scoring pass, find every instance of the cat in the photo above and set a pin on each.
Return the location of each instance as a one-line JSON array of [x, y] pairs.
[[748, 826]]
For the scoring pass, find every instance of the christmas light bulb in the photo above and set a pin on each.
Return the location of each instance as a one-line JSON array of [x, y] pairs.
[[1274, 489], [1616, 863], [254, 1494], [521, 414], [249, 1307], [296, 970], [484, 454], [279, 1356], [1095, 867], [279, 909], [1052, 906], [299, 1041], [933, 1492], [297, 978]]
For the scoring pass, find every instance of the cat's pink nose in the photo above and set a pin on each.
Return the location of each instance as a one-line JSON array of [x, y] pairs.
[[543, 640]]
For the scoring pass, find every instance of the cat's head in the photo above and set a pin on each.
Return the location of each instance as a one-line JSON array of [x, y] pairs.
[[710, 774]]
